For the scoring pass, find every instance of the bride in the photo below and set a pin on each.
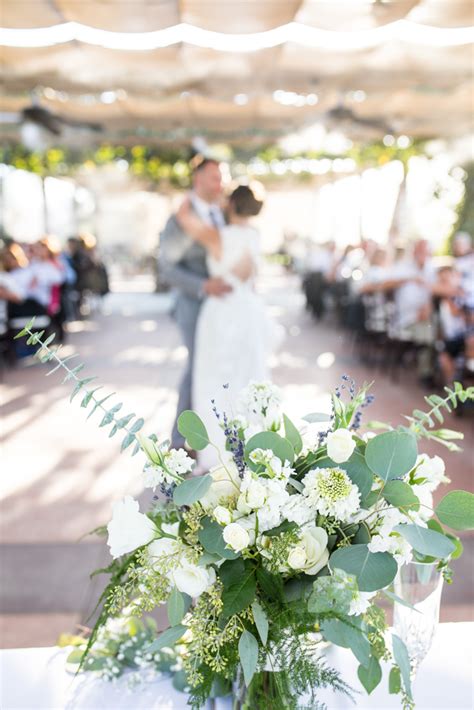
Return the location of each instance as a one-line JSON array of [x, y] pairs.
[[233, 332]]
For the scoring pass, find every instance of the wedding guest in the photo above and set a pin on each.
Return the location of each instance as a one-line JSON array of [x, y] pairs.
[[453, 323]]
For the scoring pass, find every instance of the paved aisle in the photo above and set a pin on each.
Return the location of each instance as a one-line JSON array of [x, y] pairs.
[[61, 474]]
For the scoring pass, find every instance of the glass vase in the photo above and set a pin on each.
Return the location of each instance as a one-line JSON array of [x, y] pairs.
[[268, 690], [420, 585]]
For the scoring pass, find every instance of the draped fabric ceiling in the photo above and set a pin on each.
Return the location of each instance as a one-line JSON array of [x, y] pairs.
[[174, 92]]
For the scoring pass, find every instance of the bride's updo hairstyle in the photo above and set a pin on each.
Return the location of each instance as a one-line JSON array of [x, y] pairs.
[[247, 200]]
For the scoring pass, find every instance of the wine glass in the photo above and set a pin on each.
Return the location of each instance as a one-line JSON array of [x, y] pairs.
[[420, 585]]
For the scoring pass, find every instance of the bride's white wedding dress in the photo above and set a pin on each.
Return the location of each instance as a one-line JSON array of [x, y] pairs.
[[233, 337]]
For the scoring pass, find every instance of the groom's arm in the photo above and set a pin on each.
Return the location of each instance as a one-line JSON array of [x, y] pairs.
[[173, 245]]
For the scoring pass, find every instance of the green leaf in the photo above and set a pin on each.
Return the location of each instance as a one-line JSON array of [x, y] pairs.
[[248, 654], [190, 491], [292, 435], [27, 328], [400, 495], [128, 439], [177, 606], [373, 570], [180, 682], [316, 418], [285, 526], [270, 584], [348, 636], [426, 541], [371, 675], [261, 622], [75, 656], [456, 510], [192, 428], [269, 440], [167, 638], [210, 537], [231, 571], [137, 426], [392, 454], [399, 600], [394, 681], [239, 595], [402, 659]]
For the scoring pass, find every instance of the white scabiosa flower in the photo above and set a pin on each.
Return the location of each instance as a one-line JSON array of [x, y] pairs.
[[331, 492], [129, 528], [340, 445]]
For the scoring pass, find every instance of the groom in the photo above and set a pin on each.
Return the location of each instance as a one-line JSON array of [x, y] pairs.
[[184, 267]]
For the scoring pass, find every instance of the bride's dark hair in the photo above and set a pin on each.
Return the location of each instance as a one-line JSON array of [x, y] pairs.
[[246, 200]]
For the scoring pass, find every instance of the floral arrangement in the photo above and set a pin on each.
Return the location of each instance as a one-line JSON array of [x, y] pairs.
[[290, 542]]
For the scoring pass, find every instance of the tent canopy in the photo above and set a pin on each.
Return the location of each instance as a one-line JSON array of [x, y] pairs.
[[371, 67]]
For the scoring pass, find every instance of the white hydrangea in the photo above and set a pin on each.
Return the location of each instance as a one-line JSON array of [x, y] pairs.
[[297, 510], [395, 544], [331, 492], [432, 470], [260, 404], [264, 496]]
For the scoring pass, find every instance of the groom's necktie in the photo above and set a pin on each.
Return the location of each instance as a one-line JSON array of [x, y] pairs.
[[214, 216]]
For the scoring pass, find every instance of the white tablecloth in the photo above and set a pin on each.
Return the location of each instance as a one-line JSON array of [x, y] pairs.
[[36, 679]]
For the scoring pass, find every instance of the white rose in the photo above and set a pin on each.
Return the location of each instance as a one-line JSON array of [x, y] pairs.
[[222, 515], [340, 445], [314, 541], [225, 486], [193, 580], [129, 528], [297, 558], [255, 495], [236, 537]]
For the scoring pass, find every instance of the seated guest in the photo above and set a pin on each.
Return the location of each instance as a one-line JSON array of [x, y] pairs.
[[452, 319], [10, 292], [412, 281]]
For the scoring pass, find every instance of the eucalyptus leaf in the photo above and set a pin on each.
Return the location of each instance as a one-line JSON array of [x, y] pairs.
[[456, 510], [402, 660], [345, 634], [167, 638], [392, 454], [394, 681], [261, 622], [399, 600], [316, 418], [192, 428], [426, 541], [373, 570], [248, 654], [190, 491], [177, 606], [370, 675], [210, 537], [400, 495], [292, 434]]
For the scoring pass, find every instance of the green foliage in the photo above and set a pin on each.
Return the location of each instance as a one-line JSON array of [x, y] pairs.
[[422, 423], [346, 633], [210, 537], [370, 675], [192, 428], [45, 353], [248, 654], [192, 490], [177, 606], [238, 595], [392, 454], [456, 510], [373, 570], [332, 593], [292, 435], [400, 495], [426, 541], [168, 638], [261, 622], [402, 659]]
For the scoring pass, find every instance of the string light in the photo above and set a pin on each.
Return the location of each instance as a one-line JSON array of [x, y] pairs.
[[294, 32]]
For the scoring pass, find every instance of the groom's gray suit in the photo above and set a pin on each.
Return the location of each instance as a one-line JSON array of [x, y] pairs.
[[184, 267]]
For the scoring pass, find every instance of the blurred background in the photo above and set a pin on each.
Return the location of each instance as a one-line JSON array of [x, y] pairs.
[[356, 115]]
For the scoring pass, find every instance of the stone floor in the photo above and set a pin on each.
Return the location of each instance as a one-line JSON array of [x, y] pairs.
[[61, 474]]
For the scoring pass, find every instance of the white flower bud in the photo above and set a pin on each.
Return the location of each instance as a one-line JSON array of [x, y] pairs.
[[340, 445], [222, 515]]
